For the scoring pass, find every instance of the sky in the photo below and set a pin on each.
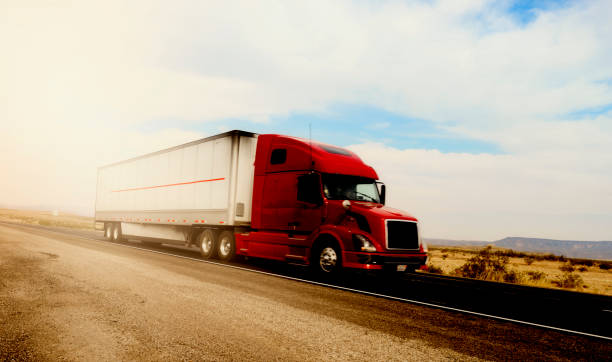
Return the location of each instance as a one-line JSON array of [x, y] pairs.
[[485, 119]]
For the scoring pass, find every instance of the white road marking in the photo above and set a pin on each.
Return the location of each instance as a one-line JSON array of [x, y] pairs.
[[361, 291]]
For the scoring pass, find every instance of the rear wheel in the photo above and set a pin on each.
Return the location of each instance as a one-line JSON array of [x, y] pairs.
[[206, 242], [117, 233], [108, 231], [227, 246]]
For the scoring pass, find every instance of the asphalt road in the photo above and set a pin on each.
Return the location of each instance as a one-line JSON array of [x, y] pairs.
[[65, 296]]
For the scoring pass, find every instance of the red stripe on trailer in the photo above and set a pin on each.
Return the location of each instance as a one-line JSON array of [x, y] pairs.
[[177, 184]]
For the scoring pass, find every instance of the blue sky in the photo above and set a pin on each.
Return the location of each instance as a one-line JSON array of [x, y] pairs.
[[526, 11], [346, 125]]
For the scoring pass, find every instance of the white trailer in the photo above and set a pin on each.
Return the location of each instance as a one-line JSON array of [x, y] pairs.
[[167, 196]]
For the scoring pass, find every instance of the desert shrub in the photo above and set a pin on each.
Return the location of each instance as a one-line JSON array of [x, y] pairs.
[[582, 269], [536, 275], [511, 276], [529, 260], [444, 256], [487, 265], [605, 266], [569, 281], [541, 257], [567, 268], [513, 254], [434, 269], [585, 262]]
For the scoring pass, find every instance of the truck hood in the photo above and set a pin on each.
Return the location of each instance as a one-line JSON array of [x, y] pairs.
[[381, 211]]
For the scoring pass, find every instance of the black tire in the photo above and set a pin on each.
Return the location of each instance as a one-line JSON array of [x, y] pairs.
[[207, 241], [117, 235], [326, 260], [108, 231], [226, 246]]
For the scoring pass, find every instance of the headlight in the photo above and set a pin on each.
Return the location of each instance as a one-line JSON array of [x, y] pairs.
[[363, 244]]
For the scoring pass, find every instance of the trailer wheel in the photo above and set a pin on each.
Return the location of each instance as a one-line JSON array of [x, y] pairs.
[[108, 231], [227, 246], [327, 259], [117, 236], [206, 242]]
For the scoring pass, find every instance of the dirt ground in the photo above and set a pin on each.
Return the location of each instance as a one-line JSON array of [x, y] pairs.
[[65, 297], [60, 301], [596, 280]]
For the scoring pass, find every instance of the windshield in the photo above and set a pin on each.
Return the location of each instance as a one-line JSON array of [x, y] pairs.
[[343, 187]]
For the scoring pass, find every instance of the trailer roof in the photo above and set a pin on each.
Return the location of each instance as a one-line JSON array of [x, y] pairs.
[[221, 135]]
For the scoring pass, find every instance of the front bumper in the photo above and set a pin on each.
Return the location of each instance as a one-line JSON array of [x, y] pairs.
[[379, 261]]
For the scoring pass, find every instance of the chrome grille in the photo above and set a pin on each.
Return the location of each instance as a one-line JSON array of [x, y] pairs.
[[402, 234]]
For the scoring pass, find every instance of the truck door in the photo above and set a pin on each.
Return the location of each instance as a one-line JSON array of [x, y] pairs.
[[292, 202], [309, 213]]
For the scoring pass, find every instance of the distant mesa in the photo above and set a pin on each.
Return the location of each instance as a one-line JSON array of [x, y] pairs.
[[601, 250], [569, 248]]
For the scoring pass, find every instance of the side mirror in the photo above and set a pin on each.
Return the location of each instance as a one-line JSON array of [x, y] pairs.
[[383, 193]]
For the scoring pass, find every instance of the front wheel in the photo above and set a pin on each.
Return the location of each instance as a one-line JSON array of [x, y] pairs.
[[327, 259]]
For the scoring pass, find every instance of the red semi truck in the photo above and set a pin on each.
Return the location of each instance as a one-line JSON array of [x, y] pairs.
[[265, 196]]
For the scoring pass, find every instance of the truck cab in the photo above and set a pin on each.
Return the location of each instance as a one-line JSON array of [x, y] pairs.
[[321, 205]]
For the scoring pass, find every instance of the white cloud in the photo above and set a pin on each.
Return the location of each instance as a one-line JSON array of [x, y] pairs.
[[200, 60], [79, 79], [489, 197]]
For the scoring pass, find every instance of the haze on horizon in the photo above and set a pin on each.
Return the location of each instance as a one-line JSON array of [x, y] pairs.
[[485, 118]]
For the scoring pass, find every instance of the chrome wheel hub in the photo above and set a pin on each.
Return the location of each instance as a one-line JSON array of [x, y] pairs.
[[206, 244], [225, 247], [328, 259]]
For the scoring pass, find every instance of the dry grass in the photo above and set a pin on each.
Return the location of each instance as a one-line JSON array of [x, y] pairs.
[[532, 269], [47, 218]]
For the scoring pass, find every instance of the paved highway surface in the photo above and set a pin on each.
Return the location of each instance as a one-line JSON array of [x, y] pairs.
[[66, 296]]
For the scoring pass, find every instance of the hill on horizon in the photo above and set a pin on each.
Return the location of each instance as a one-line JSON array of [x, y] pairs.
[[601, 250]]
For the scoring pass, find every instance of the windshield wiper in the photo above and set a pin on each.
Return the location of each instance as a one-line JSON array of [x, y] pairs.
[[366, 195]]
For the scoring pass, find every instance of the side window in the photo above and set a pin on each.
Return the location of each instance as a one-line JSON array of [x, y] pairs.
[[279, 156], [309, 189]]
